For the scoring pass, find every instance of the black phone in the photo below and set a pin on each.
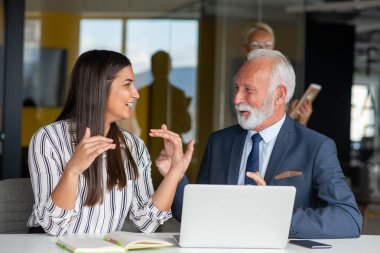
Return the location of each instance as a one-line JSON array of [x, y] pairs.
[[310, 244]]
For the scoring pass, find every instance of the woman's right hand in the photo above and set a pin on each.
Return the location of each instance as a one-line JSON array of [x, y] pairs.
[[86, 151]]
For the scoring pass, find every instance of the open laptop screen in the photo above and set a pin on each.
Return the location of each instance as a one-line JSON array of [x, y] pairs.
[[233, 216]]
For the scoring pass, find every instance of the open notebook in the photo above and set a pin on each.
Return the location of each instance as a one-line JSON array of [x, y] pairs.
[[113, 242]]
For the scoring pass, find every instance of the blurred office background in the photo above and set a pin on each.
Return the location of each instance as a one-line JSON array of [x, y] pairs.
[[334, 43]]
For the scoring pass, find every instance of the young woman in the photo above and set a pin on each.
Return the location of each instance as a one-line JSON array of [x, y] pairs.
[[87, 174]]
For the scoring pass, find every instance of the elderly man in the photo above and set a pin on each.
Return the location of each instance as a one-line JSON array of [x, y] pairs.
[[270, 148], [261, 36]]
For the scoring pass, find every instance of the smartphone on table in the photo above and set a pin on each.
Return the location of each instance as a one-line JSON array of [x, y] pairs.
[[310, 244]]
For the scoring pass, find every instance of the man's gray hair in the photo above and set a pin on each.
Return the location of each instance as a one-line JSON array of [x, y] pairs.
[[282, 70]]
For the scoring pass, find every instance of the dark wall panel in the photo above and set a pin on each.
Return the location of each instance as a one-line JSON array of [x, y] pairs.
[[14, 12], [329, 61]]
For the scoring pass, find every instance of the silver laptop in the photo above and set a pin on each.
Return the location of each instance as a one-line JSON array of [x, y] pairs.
[[234, 216]]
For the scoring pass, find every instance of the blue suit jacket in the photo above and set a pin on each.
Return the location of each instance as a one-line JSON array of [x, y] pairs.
[[324, 206]]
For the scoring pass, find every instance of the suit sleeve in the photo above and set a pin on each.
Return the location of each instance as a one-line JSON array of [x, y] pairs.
[[335, 213], [202, 179], [203, 175]]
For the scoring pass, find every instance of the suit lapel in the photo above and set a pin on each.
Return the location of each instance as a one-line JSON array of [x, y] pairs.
[[280, 150], [235, 158]]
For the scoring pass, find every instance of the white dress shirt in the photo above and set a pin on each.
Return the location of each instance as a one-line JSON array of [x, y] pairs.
[[269, 136]]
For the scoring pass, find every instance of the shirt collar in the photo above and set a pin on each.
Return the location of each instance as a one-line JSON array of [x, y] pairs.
[[271, 132]]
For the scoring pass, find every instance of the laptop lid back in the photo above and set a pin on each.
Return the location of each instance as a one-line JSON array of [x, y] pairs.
[[234, 216]]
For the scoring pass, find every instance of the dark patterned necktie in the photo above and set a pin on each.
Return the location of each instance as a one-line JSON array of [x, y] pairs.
[[253, 158]]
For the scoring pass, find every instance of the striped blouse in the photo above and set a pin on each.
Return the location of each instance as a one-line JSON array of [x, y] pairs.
[[50, 149]]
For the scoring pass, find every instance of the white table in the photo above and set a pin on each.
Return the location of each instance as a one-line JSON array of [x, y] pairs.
[[38, 243]]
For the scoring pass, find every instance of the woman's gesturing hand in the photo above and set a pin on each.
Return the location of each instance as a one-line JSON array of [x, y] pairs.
[[87, 150], [172, 155]]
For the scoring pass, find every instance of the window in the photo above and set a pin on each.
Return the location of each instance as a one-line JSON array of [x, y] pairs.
[[101, 34], [179, 39]]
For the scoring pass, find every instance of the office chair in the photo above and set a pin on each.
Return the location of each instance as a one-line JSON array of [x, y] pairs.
[[16, 203]]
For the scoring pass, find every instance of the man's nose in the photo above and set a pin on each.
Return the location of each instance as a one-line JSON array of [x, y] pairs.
[[238, 97]]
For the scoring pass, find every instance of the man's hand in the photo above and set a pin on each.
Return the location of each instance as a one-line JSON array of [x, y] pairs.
[[256, 177]]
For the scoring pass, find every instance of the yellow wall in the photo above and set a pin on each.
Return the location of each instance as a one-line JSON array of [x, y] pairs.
[[61, 30], [58, 30], [33, 118]]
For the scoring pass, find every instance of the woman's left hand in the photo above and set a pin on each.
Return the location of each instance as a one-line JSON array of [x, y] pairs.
[[172, 156]]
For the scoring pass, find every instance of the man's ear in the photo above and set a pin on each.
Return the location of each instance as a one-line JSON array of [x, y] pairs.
[[244, 50], [280, 97]]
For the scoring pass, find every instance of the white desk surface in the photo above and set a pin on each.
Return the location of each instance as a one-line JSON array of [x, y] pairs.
[[38, 243]]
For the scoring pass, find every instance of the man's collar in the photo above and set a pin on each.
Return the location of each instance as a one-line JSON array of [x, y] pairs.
[[270, 132]]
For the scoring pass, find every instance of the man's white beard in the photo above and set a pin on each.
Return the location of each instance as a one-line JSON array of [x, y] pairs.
[[256, 115]]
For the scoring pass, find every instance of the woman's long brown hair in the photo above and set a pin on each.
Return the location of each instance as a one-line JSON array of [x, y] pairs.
[[86, 104]]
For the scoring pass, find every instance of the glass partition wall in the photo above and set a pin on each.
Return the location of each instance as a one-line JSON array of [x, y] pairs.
[[194, 48]]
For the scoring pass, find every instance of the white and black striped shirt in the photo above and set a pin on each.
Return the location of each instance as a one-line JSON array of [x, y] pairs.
[[51, 147]]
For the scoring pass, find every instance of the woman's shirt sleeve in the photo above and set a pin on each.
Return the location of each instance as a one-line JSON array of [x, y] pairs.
[[46, 169]]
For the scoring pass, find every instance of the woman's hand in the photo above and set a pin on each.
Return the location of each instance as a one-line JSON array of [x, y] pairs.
[[87, 150], [65, 193], [172, 155], [163, 163], [172, 164]]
